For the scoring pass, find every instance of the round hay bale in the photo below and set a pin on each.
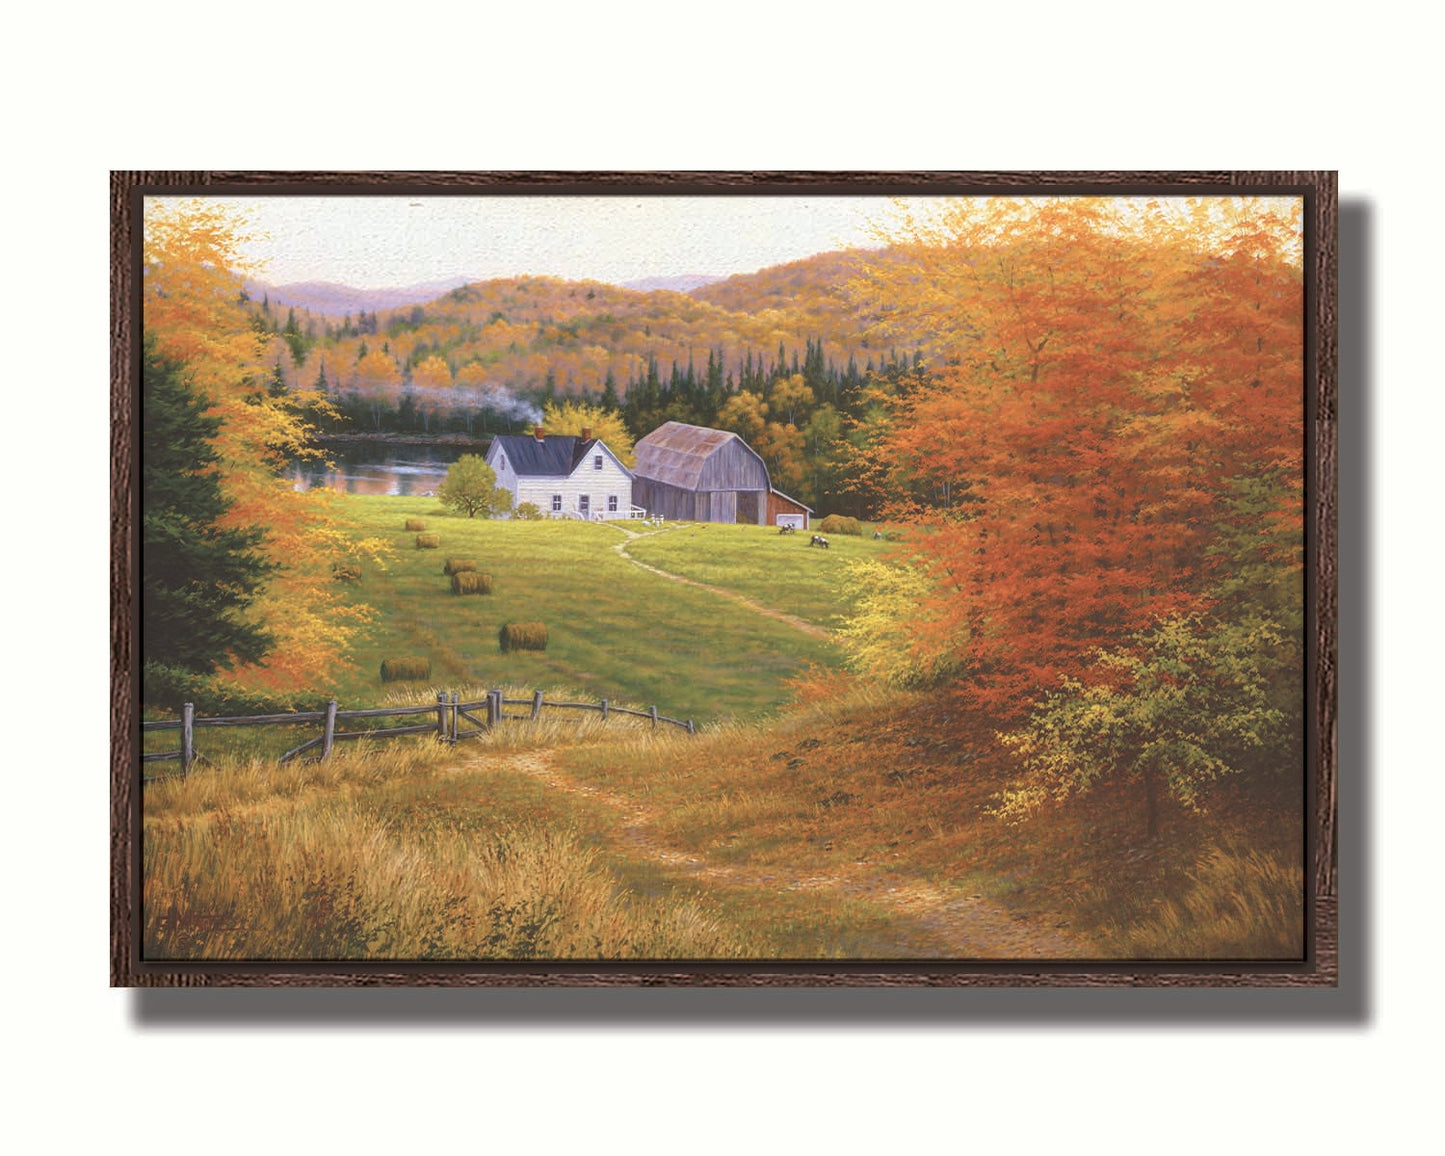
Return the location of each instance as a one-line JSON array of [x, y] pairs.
[[458, 565], [470, 582], [428, 541], [405, 669], [415, 524], [522, 636]]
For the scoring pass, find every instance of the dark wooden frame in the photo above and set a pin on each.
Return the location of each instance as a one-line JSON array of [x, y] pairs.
[[1320, 965]]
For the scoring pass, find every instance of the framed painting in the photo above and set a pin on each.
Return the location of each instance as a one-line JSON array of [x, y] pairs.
[[724, 578]]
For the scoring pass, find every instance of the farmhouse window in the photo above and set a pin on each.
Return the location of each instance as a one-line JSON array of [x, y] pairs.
[[612, 503], [584, 503], [501, 461], [597, 462], [556, 503]]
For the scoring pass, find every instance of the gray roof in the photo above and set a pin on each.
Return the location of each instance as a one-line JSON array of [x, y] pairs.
[[555, 456], [675, 453]]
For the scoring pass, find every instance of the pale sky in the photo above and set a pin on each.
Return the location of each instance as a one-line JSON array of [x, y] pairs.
[[374, 242]]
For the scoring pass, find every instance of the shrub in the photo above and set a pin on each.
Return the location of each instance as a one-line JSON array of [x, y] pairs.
[[523, 636], [428, 541], [457, 565], [528, 512], [346, 571], [414, 524], [840, 524], [470, 582], [405, 669]]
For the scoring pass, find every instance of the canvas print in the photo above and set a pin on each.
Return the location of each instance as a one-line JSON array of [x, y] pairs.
[[751, 578]]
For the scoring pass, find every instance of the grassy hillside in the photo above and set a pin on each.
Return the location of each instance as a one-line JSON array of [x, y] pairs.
[[777, 570], [615, 631]]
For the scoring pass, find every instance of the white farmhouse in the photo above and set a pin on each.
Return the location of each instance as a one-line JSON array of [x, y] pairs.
[[563, 476]]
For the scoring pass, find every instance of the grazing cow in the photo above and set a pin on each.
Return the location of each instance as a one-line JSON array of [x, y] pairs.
[[786, 529], [819, 540]]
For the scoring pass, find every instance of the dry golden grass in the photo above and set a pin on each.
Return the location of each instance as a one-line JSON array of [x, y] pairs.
[[798, 837], [900, 788], [357, 859]]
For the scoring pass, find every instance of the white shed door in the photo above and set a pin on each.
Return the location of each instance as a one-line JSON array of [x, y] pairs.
[[794, 520]]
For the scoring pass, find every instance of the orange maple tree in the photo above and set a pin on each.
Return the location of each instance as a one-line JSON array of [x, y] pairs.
[[1110, 370]]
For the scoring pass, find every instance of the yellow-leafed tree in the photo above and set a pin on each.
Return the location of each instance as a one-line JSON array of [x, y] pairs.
[[194, 305], [572, 417]]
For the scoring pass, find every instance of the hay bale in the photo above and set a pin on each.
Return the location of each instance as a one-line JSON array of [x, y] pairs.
[[523, 636], [470, 582], [346, 572], [405, 669], [458, 565], [415, 524], [428, 541], [840, 524]]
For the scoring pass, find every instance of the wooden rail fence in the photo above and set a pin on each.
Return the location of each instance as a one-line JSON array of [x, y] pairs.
[[447, 721]]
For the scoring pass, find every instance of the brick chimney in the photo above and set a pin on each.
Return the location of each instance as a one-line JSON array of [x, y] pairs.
[[539, 433], [586, 433]]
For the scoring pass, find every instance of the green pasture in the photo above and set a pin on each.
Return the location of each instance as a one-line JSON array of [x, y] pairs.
[[780, 571], [615, 631]]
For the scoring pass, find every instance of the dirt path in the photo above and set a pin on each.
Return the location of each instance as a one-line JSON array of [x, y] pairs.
[[731, 596], [951, 926]]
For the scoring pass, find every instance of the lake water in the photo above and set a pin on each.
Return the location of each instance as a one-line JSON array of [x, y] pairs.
[[363, 468]]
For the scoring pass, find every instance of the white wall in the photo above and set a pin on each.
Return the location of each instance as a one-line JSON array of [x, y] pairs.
[[612, 480]]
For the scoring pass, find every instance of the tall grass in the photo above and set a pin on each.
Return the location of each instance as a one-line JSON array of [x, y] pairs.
[[1239, 903], [353, 859]]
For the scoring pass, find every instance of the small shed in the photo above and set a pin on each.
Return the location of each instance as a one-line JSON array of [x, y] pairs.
[[786, 511]]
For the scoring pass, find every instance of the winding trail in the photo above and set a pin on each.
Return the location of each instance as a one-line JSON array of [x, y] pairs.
[[757, 607], [949, 926]]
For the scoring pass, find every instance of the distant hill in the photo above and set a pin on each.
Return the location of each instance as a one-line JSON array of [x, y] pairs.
[[530, 334], [330, 299], [682, 283]]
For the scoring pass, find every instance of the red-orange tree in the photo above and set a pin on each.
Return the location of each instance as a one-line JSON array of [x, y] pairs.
[[1111, 370]]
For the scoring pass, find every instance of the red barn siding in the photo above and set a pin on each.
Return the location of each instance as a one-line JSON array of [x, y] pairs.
[[782, 504]]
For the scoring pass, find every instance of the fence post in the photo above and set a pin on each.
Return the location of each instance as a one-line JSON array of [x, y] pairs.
[[604, 710], [494, 712], [329, 739], [536, 706], [442, 717], [654, 716], [188, 737], [456, 710], [690, 729]]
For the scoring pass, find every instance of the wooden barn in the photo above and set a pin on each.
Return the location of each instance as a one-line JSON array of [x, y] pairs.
[[694, 474]]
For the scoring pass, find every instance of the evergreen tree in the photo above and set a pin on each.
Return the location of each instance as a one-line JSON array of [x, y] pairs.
[[196, 578], [610, 400]]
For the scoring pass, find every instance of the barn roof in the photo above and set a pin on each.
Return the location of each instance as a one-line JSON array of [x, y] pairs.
[[675, 453], [555, 456]]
